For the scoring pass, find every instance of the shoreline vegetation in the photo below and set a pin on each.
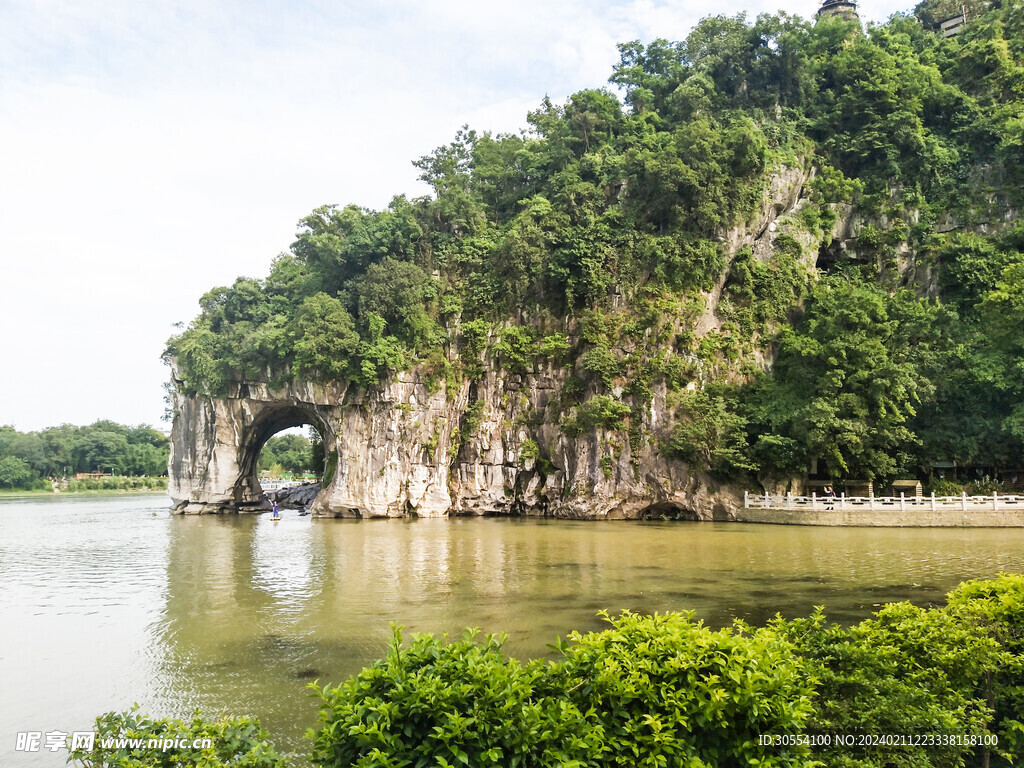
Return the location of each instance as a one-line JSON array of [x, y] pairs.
[[113, 483], [104, 455], [134, 485], [941, 686], [115, 457], [8, 494]]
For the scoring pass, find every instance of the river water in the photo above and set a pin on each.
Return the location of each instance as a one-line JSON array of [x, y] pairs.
[[106, 601]]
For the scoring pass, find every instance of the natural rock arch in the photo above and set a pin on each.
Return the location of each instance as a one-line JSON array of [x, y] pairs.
[[410, 447], [216, 442], [252, 439], [388, 450], [414, 445]]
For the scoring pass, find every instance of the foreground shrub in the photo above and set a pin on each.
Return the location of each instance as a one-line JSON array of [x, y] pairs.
[[131, 740], [668, 691], [907, 671], [438, 704], [665, 691], [995, 607], [117, 483], [943, 487], [649, 691]]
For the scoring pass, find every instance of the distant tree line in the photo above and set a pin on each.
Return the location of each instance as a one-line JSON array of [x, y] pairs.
[[292, 454], [27, 459]]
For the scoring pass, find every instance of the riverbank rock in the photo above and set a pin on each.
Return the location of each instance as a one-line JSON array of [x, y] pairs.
[[295, 496]]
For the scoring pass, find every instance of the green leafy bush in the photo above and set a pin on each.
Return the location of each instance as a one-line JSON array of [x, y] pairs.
[[599, 411], [649, 691], [552, 346], [601, 364], [665, 690], [942, 487], [766, 292], [668, 691], [133, 740], [515, 348], [529, 450], [447, 704], [996, 607], [908, 670], [472, 418], [708, 433], [16, 473], [659, 691], [116, 483], [984, 487]]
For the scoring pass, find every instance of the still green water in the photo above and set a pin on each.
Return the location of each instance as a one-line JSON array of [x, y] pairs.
[[108, 601]]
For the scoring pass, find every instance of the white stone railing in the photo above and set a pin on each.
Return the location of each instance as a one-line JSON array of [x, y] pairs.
[[899, 503], [276, 485]]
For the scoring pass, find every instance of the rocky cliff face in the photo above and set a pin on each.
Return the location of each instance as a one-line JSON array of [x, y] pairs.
[[405, 450], [489, 446]]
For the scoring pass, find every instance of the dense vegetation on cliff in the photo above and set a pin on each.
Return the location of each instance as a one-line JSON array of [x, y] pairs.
[[600, 241]]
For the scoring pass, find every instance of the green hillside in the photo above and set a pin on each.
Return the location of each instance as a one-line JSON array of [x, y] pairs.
[[599, 241]]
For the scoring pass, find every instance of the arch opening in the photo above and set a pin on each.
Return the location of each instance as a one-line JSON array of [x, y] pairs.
[[292, 455], [291, 452]]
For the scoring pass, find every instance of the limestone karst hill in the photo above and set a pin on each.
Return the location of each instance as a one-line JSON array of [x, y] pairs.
[[774, 245]]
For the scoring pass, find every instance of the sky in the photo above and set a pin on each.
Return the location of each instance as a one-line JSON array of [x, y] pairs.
[[152, 151]]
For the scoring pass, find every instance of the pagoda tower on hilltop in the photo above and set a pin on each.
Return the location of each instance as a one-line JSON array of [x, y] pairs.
[[846, 9]]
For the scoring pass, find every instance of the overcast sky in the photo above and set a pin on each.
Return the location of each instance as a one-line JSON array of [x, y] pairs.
[[151, 151]]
